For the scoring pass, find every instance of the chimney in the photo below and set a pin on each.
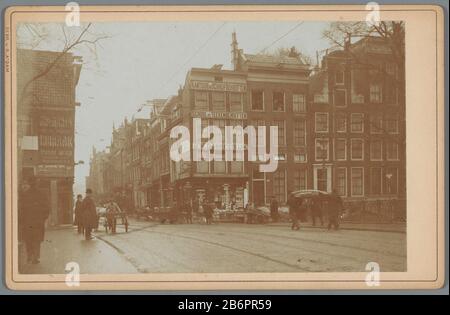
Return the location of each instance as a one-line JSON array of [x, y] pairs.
[[234, 52], [347, 42]]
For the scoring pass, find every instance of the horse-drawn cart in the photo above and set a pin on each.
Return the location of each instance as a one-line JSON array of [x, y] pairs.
[[112, 216]]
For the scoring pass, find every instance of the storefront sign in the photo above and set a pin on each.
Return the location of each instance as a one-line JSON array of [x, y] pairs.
[[218, 86], [54, 171], [220, 115], [56, 137]]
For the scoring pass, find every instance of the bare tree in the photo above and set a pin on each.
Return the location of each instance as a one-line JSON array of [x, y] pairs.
[[32, 36], [391, 33]]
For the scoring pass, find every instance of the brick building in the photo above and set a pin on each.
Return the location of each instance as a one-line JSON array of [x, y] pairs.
[[358, 106], [218, 98], [46, 83], [340, 126], [277, 94]]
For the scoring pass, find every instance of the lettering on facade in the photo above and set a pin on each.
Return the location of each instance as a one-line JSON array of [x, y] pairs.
[[56, 139], [219, 115], [54, 170], [218, 86]]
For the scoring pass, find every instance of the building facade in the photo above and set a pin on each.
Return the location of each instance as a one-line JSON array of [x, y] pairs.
[[277, 95], [358, 109], [213, 97], [46, 83], [341, 126]]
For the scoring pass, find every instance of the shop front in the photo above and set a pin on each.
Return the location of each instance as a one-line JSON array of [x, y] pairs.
[[224, 193]]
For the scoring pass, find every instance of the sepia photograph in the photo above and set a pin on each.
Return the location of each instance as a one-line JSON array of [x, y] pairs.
[[232, 148]]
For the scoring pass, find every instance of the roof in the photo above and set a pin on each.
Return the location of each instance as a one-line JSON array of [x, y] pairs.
[[260, 58]]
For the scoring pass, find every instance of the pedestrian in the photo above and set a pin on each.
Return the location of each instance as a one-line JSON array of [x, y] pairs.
[[208, 211], [274, 209], [294, 205], [335, 207], [112, 209], [316, 209], [33, 207], [173, 213], [302, 210], [90, 218], [78, 221], [188, 210]]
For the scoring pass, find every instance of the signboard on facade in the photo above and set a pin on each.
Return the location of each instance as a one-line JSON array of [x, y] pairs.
[[219, 115], [54, 170], [56, 137], [218, 86]]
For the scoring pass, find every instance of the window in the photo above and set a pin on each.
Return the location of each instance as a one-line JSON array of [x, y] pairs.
[[341, 122], [339, 77], [375, 93], [220, 166], [298, 103], [341, 181], [281, 131], [391, 180], [358, 84], [279, 186], [300, 155], [300, 132], [280, 157], [203, 167], [391, 69], [322, 149], [257, 175], [300, 179], [340, 98], [235, 102], [201, 100], [392, 125], [257, 100], [391, 94], [237, 167], [357, 149], [376, 123], [357, 181], [278, 101], [340, 149], [321, 122], [218, 101], [375, 180], [322, 178], [357, 122], [376, 150], [391, 150]]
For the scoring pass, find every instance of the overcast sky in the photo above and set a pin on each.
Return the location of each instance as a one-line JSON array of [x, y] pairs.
[[145, 60]]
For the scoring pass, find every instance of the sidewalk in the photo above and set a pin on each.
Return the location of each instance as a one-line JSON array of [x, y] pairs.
[[375, 227], [63, 245]]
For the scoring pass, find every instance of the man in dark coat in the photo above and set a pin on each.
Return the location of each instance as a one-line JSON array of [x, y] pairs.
[[316, 209], [90, 219], [294, 211], [34, 209], [274, 209], [79, 214], [208, 210], [335, 207], [188, 210]]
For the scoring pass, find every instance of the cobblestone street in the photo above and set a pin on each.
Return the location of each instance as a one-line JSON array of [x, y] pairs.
[[226, 247]]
